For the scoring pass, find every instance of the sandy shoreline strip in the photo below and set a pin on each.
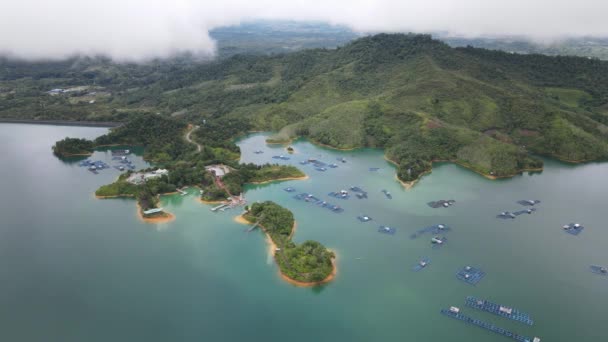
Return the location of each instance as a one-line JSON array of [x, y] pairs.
[[159, 219], [272, 247]]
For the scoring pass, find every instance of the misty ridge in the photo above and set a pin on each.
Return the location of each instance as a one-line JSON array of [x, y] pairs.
[[141, 31]]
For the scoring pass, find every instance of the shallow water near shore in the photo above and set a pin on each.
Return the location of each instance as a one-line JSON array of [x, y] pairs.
[[76, 268]]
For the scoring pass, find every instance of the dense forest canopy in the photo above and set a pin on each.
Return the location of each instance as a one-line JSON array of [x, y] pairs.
[[417, 97], [307, 262]]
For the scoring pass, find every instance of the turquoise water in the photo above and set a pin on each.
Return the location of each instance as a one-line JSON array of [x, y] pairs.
[[74, 268]]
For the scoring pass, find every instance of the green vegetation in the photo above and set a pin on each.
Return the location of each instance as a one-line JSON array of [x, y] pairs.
[[416, 97], [146, 194], [306, 262], [73, 147], [242, 174]]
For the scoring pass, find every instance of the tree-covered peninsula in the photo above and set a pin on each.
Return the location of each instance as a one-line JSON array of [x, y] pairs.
[[165, 145], [307, 263]]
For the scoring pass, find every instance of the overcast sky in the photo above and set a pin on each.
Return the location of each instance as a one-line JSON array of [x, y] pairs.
[[141, 29]]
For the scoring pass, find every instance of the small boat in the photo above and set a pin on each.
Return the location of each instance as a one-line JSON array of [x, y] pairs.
[[437, 240], [387, 194]]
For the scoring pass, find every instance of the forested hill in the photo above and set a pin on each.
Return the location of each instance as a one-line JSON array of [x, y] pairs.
[[417, 97]]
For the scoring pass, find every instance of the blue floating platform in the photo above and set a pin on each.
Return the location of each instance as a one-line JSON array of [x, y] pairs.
[[336, 209], [599, 270], [421, 264], [529, 202], [499, 310], [289, 189], [364, 218], [455, 313], [387, 230], [573, 228], [434, 229], [470, 275], [361, 195]]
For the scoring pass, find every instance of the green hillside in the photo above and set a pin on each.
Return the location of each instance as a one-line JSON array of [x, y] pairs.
[[416, 97]]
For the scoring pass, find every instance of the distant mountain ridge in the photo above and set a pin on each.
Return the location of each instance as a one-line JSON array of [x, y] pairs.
[[417, 97]]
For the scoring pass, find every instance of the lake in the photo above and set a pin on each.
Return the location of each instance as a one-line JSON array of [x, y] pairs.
[[76, 268]]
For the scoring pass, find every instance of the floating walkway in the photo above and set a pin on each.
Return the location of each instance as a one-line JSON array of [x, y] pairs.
[[387, 230], [601, 270], [505, 215], [573, 228], [441, 203], [342, 194], [94, 166], [470, 275], [221, 206], [310, 198], [500, 310], [359, 192], [529, 202], [454, 312], [422, 264], [434, 229]]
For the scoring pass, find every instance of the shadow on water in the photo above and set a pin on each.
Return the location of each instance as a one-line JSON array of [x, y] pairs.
[[318, 288]]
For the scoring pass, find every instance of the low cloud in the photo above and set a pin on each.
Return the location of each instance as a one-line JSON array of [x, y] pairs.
[[134, 30]]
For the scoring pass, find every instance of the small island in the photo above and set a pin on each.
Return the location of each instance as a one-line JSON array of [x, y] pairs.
[[306, 264], [72, 147]]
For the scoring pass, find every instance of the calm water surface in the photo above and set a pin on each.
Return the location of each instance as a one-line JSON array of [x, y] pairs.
[[74, 268]]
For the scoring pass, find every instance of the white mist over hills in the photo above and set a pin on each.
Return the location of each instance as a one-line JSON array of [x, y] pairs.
[[137, 30]]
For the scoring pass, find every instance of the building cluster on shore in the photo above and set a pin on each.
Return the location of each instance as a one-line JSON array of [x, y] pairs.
[[138, 178]]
